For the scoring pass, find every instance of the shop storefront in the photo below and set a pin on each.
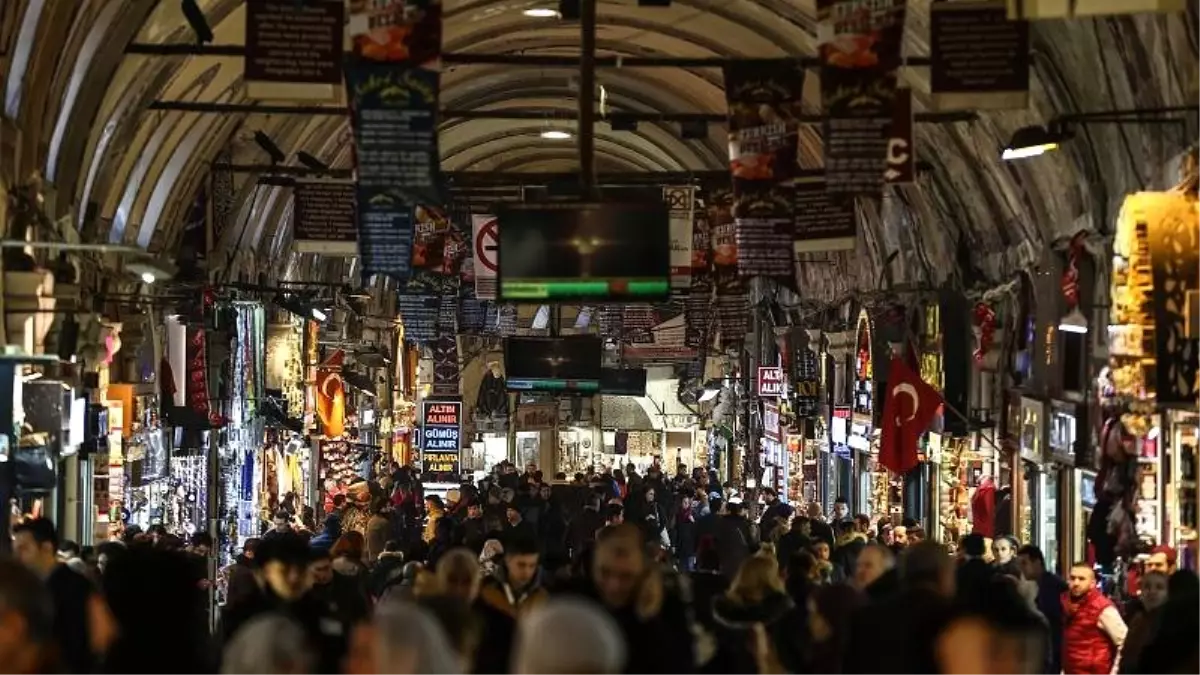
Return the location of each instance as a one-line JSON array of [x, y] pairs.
[[1037, 483]]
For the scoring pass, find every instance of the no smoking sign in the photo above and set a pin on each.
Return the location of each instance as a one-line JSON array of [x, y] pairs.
[[487, 243]]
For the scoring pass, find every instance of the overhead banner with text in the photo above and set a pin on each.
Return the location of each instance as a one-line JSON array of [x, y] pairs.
[[438, 253], [979, 58], [764, 99], [698, 309], [860, 52], [395, 132], [324, 219], [731, 306], [901, 167], [294, 49]]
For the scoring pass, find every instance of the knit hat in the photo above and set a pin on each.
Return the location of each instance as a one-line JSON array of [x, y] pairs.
[[569, 635]]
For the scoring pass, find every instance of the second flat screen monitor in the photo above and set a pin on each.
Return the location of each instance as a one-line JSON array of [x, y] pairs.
[[564, 252], [553, 364]]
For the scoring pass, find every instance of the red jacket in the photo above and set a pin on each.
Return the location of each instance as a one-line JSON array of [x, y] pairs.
[[1086, 649], [983, 508]]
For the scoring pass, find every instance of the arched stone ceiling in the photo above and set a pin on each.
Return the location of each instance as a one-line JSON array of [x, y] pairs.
[[130, 172]]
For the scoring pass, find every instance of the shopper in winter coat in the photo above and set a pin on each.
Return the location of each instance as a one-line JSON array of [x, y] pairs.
[[1153, 594], [435, 510], [757, 596], [1093, 630]]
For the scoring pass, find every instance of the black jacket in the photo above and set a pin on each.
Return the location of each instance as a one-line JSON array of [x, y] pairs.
[[319, 622], [785, 625], [897, 634]]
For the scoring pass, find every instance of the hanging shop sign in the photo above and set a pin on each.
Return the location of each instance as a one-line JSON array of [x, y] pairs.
[[1062, 432], [764, 99], [771, 423], [859, 436], [441, 436], [864, 369], [394, 110], [698, 307], [293, 49], [901, 165], [770, 381], [196, 385], [680, 204], [536, 417], [806, 382], [860, 54], [979, 58]]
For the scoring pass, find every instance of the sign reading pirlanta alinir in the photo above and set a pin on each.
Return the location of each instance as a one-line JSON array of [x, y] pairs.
[[441, 439]]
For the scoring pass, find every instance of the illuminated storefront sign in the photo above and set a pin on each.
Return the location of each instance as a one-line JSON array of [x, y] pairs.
[[441, 436]]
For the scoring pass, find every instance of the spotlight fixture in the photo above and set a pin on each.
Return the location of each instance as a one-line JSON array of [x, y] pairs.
[[556, 135], [148, 277], [150, 269], [264, 141], [311, 162], [318, 314], [541, 13], [1032, 141], [300, 307], [1074, 322]]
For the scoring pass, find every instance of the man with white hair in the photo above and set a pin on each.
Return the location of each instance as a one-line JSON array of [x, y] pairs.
[[569, 635]]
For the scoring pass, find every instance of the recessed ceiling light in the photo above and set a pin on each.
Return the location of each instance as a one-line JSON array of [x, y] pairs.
[[541, 13], [555, 135]]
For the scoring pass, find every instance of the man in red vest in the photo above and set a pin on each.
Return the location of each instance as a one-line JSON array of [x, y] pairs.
[[1093, 630]]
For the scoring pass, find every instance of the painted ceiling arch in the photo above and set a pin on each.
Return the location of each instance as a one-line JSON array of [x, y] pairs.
[[92, 134]]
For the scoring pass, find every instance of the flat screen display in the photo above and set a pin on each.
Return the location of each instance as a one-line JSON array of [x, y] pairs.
[[563, 252], [553, 364], [623, 381]]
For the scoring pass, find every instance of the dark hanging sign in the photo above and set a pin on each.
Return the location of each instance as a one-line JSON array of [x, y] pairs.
[[445, 365], [297, 43], [979, 58], [901, 153], [419, 316], [731, 305], [823, 223], [324, 218], [806, 383], [698, 307], [764, 100], [396, 30], [440, 251], [441, 439], [1173, 235], [395, 134], [860, 52]]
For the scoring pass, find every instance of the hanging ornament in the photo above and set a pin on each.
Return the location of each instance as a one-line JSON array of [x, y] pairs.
[[985, 330], [1070, 277]]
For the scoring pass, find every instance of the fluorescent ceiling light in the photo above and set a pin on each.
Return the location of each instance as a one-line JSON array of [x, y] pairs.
[[1032, 141], [1074, 322], [541, 13], [148, 277], [708, 395], [555, 135], [318, 314]]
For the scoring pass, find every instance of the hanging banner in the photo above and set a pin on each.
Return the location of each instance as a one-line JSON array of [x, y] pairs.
[[698, 312], [445, 365], [901, 166], [823, 223], [536, 417], [395, 133], [419, 316], [731, 306], [294, 49], [860, 52], [667, 342], [806, 383], [486, 239], [764, 100], [681, 204], [979, 59], [438, 253], [324, 219], [396, 30], [440, 440]]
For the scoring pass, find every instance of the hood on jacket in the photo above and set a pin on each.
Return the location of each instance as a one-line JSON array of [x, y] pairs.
[[733, 614], [851, 537]]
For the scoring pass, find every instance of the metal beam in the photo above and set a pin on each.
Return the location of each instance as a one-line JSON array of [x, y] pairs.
[[510, 114], [473, 59], [285, 176], [586, 128]]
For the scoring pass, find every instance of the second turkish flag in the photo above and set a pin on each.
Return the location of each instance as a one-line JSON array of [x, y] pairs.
[[907, 411]]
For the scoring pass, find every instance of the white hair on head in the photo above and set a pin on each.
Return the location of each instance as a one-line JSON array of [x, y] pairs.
[[569, 635], [271, 643], [403, 630]]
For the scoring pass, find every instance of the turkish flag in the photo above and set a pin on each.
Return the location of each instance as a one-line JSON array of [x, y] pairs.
[[331, 395], [907, 411]]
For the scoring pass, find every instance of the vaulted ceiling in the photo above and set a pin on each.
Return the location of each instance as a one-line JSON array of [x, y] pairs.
[[81, 103]]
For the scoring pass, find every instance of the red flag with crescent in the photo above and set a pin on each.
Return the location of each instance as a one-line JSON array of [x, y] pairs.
[[331, 395], [907, 411]]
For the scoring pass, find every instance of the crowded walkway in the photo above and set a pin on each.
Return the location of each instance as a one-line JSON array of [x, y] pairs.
[[611, 572]]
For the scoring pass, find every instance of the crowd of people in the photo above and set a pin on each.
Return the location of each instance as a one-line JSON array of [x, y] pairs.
[[607, 572]]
